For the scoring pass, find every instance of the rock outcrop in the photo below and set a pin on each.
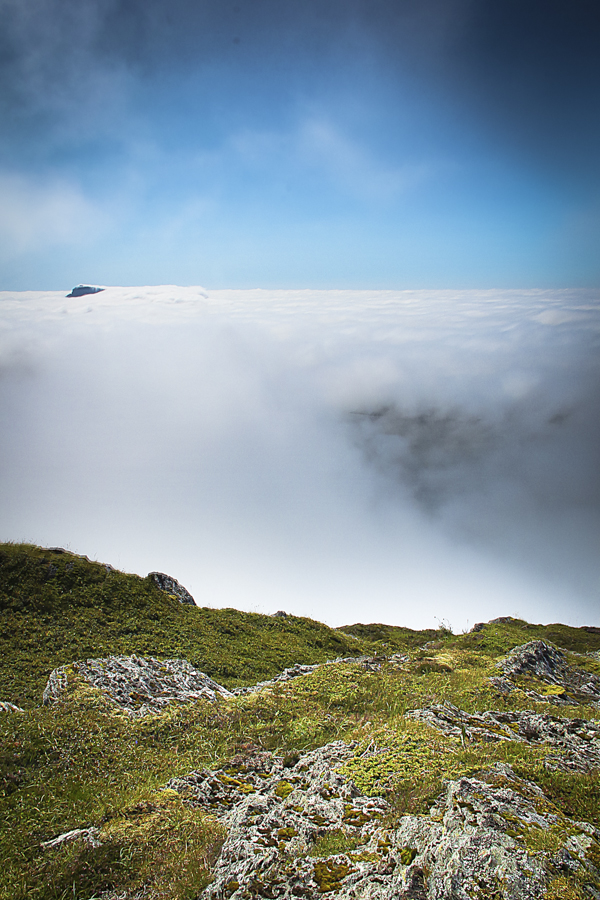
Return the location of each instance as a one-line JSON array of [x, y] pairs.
[[304, 830], [367, 663], [573, 744], [87, 835], [172, 587], [138, 685], [82, 289], [542, 662]]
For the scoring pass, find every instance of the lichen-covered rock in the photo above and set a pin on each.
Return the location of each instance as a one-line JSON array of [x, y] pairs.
[[5, 706], [482, 839], [172, 587], [88, 835], [574, 743], [543, 662], [136, 684], [287, 675], [305, 831]]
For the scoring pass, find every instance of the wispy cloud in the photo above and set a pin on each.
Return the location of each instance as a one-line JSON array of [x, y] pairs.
[[38, 215], [316, 145]]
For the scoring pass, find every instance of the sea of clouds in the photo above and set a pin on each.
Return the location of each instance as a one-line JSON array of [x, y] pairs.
[[400, 456]]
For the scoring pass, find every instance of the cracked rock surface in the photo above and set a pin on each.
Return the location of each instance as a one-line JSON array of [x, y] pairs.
[[305, 831], [136, 684], [574, 743], [540, 660]]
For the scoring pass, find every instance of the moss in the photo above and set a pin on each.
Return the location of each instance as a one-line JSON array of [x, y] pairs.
[[407, 854], [334, 842], [384, 846], [283, 789], [355, 817], [562, 888], [364, 856], [286, 834], [244, 787], [329, 874]]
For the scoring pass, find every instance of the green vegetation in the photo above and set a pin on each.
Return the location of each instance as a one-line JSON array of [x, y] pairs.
[[59, 607], [82, 763], [333, 843], [329, 874]]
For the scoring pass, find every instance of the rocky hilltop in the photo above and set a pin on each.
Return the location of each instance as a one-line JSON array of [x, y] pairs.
[[370, 762]]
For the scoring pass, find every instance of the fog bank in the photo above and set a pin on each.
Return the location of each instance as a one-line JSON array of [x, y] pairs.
[[398, 456]]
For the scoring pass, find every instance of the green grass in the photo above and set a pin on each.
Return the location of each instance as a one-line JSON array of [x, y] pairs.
[[82, 763], [56, 608]]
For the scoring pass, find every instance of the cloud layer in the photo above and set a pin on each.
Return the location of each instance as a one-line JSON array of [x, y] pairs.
[[396, 456]]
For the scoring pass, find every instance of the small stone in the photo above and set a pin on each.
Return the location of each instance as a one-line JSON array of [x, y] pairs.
[[5, 706], [88, 835]]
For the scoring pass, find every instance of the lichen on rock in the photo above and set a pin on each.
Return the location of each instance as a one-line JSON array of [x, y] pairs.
[[557, 681], [138, 685], [572, 743], [491, 836]]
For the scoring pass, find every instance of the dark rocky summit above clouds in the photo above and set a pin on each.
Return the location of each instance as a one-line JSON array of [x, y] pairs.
[[82, 289]]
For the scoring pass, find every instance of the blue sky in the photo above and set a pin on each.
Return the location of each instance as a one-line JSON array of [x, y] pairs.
[[250, 143]]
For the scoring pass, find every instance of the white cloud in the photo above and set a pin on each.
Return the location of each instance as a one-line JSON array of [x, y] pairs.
[[350, 455]]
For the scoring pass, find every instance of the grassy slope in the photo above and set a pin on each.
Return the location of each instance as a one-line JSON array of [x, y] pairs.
[[56, 608], [80, 763]]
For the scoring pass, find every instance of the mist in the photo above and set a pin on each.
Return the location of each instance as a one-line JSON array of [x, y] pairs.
[[411, 457]]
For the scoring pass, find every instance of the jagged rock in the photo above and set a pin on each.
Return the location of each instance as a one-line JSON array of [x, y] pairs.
[[542, 661], [576, 741], [5, 706], [286, 675], [138, 685], [479, 840], [82, 289], [89, 835], [172, 587]]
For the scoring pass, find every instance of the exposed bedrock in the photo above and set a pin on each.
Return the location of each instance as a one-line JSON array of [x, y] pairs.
[[172, 587], [541, 662], [136, 684], [305, 830]]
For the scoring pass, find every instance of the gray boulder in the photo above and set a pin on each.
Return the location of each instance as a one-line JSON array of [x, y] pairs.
[[172, 587]]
